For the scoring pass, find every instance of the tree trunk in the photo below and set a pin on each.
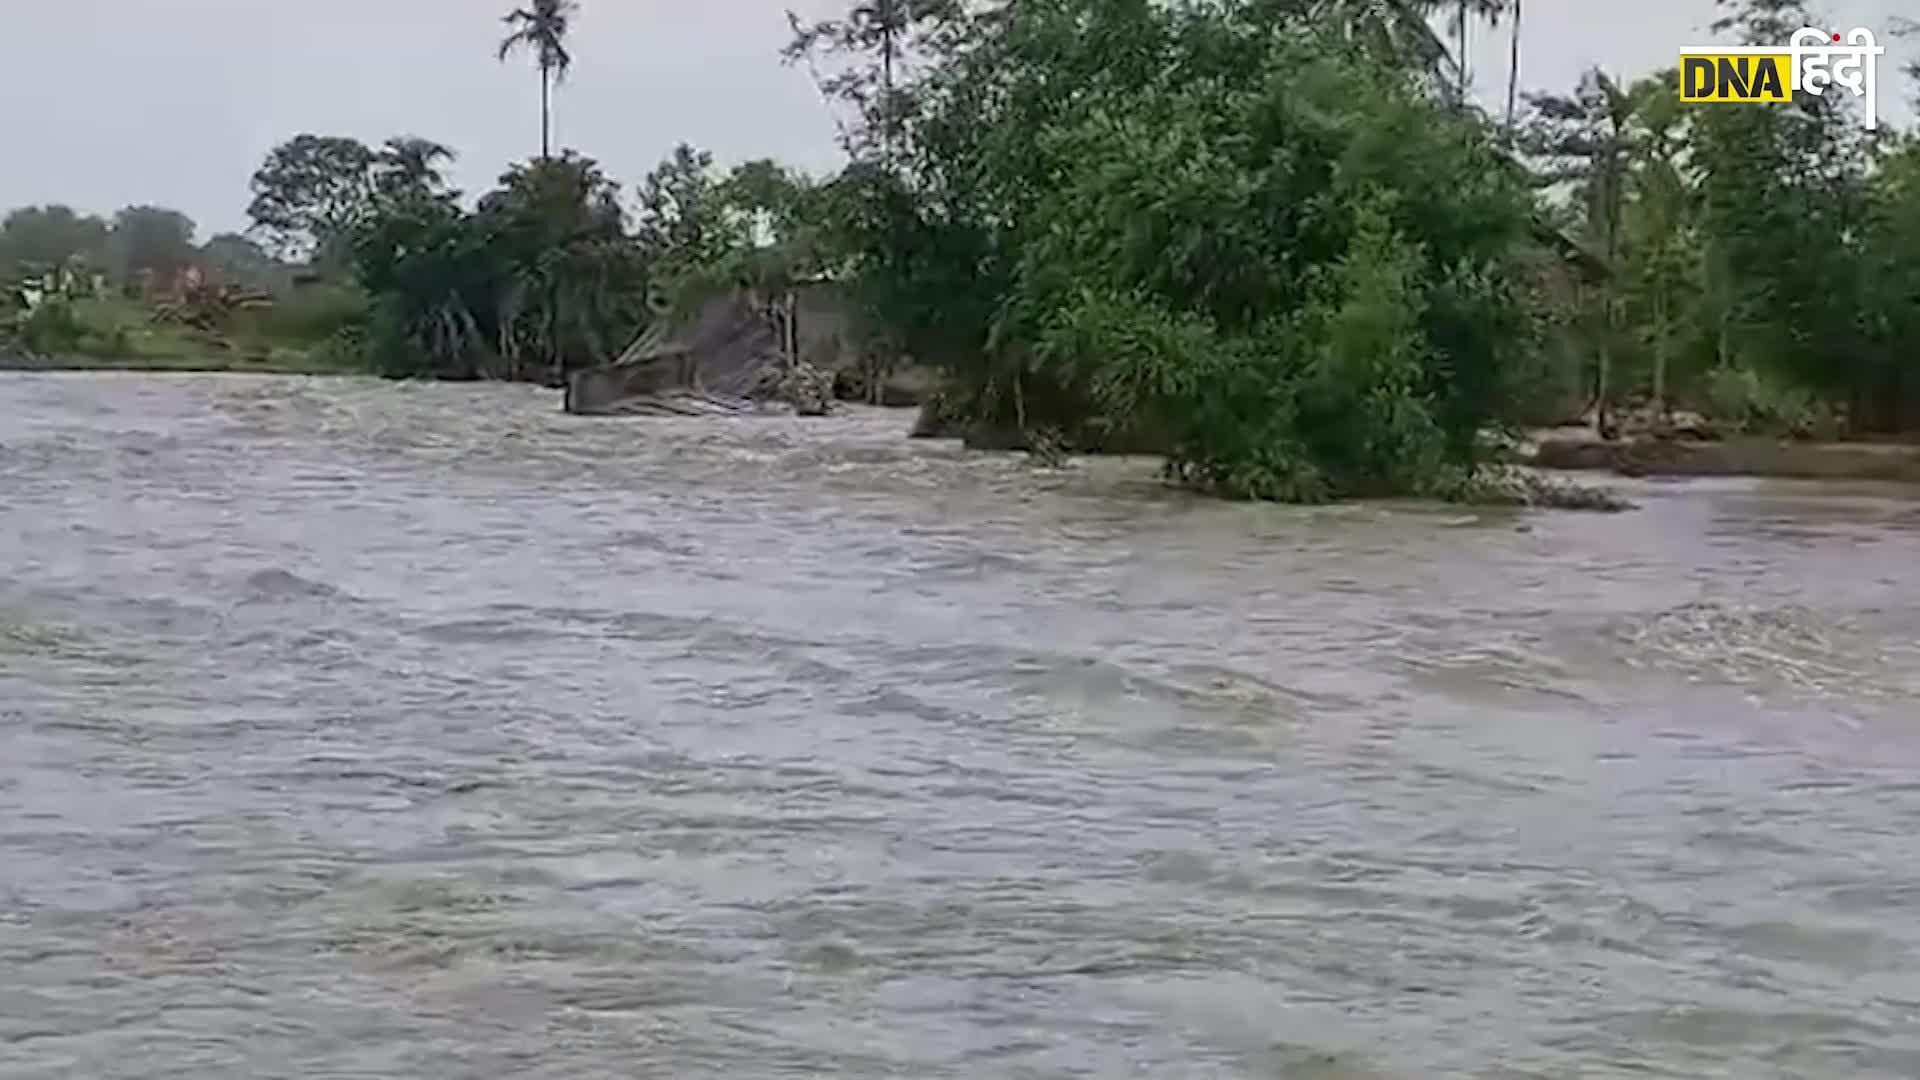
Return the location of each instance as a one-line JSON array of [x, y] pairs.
[[1660, 355], [546, 112], [1600, 424], [1466, 78], [1513, 69]]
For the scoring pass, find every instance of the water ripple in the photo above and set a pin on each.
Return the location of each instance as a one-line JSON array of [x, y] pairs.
[[363, 729]]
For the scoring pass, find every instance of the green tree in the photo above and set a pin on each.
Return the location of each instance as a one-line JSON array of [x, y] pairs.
[[539, 279], [1891, 292], [309, 194], [880, 37], [573, 279], [541, 29], [39, 238], [433, 282], [1782, 201], [233, 258], [1396, 32], [1222, 228], [1661, 260], [1585, 141], [151, 240], [411, 167], [681, 224]]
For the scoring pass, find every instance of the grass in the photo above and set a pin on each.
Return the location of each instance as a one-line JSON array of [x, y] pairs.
[[120, 334]]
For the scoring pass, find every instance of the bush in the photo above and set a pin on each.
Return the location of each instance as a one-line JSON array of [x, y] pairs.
[[1753, 404], [311, 316], [52, 327]]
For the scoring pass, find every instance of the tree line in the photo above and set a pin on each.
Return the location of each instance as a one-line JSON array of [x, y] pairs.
[[1274, 240], [138, 242]]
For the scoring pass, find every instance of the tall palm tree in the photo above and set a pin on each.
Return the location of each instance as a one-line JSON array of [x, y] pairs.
[[542, 30]]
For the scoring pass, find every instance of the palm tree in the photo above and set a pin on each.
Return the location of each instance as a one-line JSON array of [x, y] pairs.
[[410, 163], [542, 30]]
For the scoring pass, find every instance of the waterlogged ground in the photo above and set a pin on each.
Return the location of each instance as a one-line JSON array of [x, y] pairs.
[[360, 730]]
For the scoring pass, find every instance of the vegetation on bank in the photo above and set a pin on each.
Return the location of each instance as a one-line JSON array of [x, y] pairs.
[[1270, 239]]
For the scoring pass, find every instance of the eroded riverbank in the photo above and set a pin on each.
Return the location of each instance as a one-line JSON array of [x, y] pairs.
[[419, 730], [1783, 459]]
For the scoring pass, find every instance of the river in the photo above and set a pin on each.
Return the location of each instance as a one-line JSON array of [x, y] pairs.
[[352, 729]]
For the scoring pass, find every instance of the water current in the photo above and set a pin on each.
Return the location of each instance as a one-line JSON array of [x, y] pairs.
[[352, 729]]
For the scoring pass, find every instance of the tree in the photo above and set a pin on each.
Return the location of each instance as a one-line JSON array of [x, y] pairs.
[[433, 283], [151, 240], [233, 258], [1661, 260], [539, 279], [1585, 140], [1782, 200], [542, 30], [683, 223], [309, 194], [410, 167], [41, 238], [1396, 32], [1223, 229], [574, 280], [1891, 254], [881, 36]]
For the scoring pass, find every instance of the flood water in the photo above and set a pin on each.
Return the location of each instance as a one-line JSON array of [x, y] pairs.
[[350, 729]]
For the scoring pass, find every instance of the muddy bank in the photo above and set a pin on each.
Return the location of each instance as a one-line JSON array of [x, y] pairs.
[[1782, 459]]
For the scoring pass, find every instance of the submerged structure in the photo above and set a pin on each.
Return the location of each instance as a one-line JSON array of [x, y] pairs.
[[738, 351]]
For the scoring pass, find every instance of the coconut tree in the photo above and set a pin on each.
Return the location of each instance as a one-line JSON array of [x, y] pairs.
[[410, 164], [541, 30]]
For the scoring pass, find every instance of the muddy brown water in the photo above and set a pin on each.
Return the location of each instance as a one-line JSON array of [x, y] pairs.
[[359, 730]]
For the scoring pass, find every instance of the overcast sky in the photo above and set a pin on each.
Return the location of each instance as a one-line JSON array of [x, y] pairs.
[[173, 102]]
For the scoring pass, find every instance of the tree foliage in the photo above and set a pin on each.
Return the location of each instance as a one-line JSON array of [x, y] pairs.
[[1752, 252], [40, 238], [309, 193], [539, 279], [152, 241], [1223, 224], [1270, 238]]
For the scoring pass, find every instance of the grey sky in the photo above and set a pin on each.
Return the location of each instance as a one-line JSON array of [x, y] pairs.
[[174, 102]]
